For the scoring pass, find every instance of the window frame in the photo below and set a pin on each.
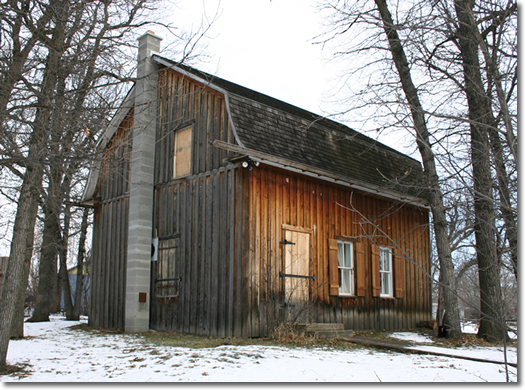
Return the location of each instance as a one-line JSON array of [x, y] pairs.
[[176, 132], [389, 274], [341, 245], [169, 253]]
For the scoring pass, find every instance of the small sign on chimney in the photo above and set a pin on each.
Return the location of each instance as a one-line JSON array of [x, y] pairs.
[[143, 297]]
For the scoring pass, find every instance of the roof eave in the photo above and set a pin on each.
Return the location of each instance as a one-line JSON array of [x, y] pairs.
[[317, 173], [91, 185]]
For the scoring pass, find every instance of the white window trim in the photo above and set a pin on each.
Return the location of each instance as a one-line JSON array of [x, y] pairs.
[[389, 274], [351, 269]]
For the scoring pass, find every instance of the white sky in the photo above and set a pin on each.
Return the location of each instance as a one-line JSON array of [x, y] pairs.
[[268, 46], [265, 45]]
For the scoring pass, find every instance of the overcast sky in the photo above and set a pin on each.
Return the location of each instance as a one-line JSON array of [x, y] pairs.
[[269, 46], [265, 45]]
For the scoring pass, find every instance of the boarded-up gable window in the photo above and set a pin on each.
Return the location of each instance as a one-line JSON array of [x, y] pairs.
[[182, 152], [168, 276]]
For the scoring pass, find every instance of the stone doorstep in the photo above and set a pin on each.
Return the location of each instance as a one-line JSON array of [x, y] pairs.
[[319, 327], [326, 331], [333, 334]]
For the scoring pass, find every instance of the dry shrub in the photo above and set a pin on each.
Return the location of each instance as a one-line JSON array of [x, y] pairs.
[[286, 332]]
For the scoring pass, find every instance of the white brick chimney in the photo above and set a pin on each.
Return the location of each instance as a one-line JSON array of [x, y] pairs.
[[141, 188]]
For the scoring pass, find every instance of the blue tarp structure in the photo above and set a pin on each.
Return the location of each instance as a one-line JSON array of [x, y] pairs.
[[86, 286]]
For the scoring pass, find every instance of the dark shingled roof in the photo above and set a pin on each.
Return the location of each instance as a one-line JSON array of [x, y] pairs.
[[285, 131]]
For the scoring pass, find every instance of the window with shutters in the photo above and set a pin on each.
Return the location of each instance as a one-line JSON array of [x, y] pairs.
[[345, 257], [182, 152], [385, 272], [346, 261]]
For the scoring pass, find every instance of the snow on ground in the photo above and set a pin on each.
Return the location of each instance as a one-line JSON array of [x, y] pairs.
[[56, 353], [410, 336]]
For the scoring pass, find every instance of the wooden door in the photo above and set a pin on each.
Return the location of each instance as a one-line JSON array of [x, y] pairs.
[[296, 275]]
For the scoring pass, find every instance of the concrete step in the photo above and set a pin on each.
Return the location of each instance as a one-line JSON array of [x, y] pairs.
[[319, 327], [325, 331], [334, 334]]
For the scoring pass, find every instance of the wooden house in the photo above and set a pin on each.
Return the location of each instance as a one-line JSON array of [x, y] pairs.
[[221, 211]]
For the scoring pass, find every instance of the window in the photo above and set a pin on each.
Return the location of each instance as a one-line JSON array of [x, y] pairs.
[[168, 268], [385, 272], [345, 256], [182, 152], [346, 267]]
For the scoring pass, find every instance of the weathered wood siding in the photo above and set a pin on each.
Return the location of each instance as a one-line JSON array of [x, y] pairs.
[[185, 102], [277, 197], [201, 209], [226, 224], [110, 232]]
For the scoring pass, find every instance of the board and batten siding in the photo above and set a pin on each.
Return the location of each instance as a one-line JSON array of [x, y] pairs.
[[226, 223], [185, 103], [110, 232], [279, 198], [200, 209], [202, 213]]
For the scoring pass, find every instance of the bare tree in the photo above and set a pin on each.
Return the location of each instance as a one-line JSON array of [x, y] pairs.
[[62, 70], [423, 139], [428, 42], [28, 130], [492, 324]]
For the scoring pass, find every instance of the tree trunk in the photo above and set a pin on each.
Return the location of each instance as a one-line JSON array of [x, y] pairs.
[[492, 325], [509, 217], [23, 228], [63, 275], [47, 269], [27, 207], [446, 267], [80, 266], [17, 323]]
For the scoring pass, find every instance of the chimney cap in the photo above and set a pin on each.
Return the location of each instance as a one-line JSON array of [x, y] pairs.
[[150, 33]]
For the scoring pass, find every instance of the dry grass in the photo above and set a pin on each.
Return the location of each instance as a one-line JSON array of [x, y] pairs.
[[284, 335], [286, 332], [466, 340], [19, 371]]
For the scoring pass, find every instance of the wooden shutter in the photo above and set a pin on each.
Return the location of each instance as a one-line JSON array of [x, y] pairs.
[[399, 272], [360, 265], [376, 278], [333, 266]]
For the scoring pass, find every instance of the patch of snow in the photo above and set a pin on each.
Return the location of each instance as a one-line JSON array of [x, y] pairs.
[[489, 353], [57, 353], [472, 328], [469, 327], [411, 336]]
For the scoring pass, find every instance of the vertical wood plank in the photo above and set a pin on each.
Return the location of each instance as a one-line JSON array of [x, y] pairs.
[[264, 263], [194, 198], [214, 281], [247, 214], [224, 286], [255, 280]]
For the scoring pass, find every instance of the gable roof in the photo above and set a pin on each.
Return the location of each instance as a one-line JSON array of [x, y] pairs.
[[272, 130], [292, 138]]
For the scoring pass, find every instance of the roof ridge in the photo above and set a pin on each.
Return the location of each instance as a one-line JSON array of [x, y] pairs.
[[278, 104]]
